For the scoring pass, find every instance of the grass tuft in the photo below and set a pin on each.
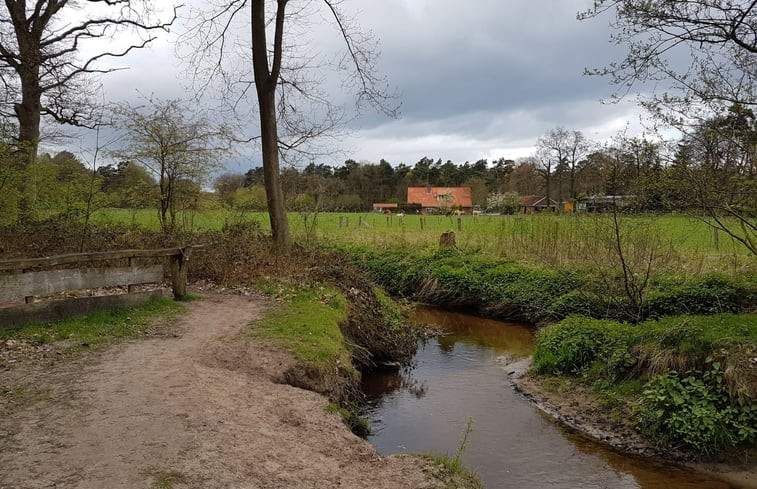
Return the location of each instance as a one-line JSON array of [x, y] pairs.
[[97, 328]]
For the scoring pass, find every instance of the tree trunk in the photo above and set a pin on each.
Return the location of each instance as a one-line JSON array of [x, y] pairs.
[[271, 172], [265, 86]]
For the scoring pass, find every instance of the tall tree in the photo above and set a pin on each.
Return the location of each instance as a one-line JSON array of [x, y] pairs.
[[42, 71], [291, 108]]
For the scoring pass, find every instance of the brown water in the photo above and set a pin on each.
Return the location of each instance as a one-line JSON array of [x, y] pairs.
[[513, 445]]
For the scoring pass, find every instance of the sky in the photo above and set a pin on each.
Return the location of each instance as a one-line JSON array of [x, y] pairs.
[[477, 79]]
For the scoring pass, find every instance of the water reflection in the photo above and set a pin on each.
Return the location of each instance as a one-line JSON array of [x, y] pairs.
[[461, 374]]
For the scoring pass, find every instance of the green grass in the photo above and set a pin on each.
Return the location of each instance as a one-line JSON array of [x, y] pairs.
[[551, 239], [452, 474], [96, 328], [306, 322]]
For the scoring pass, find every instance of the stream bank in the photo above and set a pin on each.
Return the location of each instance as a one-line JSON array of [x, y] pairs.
[[685, 376], [464, 373]]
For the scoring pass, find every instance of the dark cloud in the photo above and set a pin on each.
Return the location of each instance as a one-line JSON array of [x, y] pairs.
[[477, 79]]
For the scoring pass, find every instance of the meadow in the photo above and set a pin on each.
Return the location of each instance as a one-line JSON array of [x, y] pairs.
[[679, 243]]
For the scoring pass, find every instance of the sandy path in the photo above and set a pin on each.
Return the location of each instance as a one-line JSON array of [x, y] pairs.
[[202, 409]]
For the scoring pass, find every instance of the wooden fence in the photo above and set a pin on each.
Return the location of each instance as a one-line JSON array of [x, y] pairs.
[[29, 277]]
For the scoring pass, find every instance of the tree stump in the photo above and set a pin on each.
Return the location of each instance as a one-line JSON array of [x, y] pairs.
[[447, 240]]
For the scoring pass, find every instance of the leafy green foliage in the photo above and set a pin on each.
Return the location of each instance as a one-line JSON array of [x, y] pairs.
[[540, 293], [578, 344], [695, 410], [710, 294], [707, 408]]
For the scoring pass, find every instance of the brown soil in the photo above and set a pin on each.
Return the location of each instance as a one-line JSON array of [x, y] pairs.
[[576, 406], [201, 408]]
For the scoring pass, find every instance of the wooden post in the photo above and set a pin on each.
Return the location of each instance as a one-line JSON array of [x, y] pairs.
[[340, 222], [717, 238], [179, 267], [421, 224], [459, 223], [131, 288], [29, 298]]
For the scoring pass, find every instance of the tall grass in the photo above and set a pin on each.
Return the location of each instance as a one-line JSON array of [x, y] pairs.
[[688, 243]]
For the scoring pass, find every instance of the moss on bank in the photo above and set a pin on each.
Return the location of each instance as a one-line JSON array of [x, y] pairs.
[[307, 321]]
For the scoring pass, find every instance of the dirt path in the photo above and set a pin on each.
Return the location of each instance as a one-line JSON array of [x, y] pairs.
[[201, 409]]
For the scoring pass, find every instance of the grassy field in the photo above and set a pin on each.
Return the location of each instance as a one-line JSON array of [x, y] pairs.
[[686, 243]]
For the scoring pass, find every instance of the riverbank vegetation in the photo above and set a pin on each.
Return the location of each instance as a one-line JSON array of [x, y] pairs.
[[504, 289], [681, 366], [687, 381]]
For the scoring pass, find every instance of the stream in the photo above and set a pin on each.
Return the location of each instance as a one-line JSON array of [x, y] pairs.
[[425, 409]]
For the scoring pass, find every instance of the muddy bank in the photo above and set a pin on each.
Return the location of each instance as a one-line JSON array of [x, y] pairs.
[[576, 407], [201, 407]]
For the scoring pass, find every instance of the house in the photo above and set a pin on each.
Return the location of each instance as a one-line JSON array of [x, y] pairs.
[[441, 199], [384, 207], [533, 203], [604, 203]]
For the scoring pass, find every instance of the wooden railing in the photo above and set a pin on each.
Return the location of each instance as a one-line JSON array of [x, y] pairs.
[[33, 277]]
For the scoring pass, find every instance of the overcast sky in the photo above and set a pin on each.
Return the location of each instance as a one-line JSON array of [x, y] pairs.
[[477, 79]]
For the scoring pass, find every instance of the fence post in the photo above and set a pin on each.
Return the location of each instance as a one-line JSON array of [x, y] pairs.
[[179, 267], [130, 288], [421, 224], [459, 223]]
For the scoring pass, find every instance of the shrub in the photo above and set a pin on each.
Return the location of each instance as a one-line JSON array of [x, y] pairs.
[[695, 410], [712, 294], [578, 345]]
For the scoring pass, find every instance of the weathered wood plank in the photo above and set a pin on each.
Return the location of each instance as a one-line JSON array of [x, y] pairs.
[[54, 281], [179, 268], [51, 261], [54, 310]]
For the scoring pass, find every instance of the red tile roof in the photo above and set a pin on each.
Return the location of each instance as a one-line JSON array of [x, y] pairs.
[[440, 196], [384, 206]]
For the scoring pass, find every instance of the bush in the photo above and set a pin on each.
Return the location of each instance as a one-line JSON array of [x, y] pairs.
[[711, 294], [708, 408], [577, 345], [695, 410]]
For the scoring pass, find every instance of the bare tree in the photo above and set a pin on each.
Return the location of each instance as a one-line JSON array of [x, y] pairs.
[[718, 40], [559, 149], [41, 72], [716, 37], [179, 148], [292, 107]]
